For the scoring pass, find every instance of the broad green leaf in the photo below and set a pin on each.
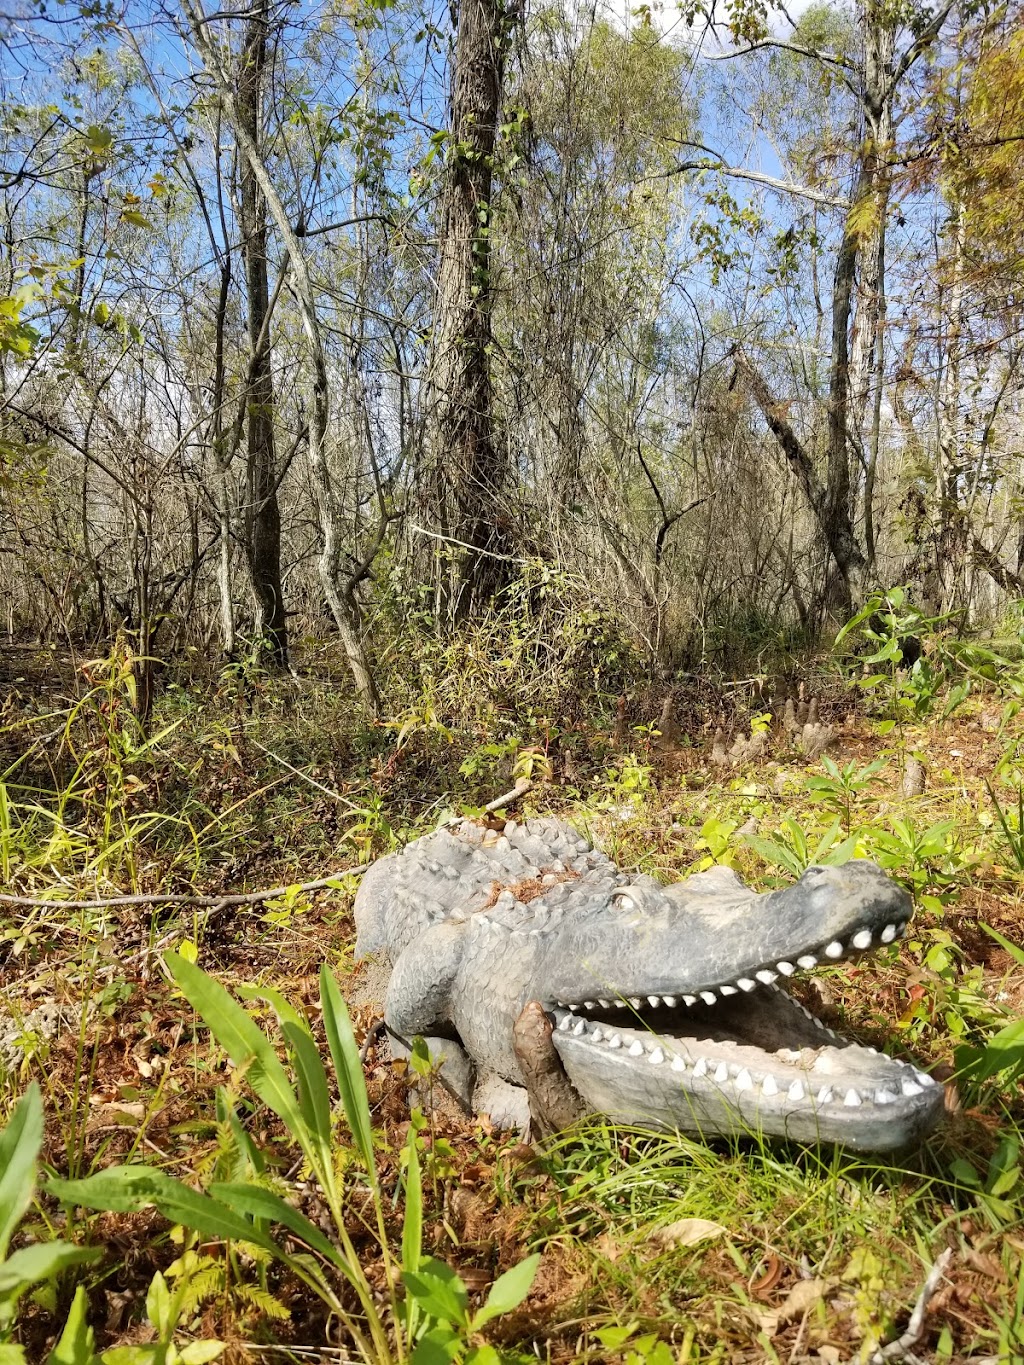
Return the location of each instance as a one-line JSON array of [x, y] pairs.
[[439, 1346], [200, 1352], [438, 1291], [348, 1069], [314, 1097], [40, 1261], [1002, 1053], [243, 1040], [125, 1189], [77, 1344], [508, 1291], [12, 1355], [412, 1227], [252, 1201], [19, 1147]]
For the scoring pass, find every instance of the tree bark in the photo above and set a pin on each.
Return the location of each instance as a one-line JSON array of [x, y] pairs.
[[262, 538], [468, 468]]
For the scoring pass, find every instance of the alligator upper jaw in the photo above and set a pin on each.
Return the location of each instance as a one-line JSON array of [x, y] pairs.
[[758, 1062]]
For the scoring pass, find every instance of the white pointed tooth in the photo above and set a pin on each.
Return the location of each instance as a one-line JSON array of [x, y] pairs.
[[656, 1056], [884, 1097], [888, 933], [636, 1049], [766, 977], [614, 1040], [807, 961], [786, 968], [824, 1094], [727, 990], [817, 1021], [745, 983], [796, 1091], [579, 1027], [689, 1000], [597, 1034], [721, 1073], [589, 1004], [709, 997], [677, 1063], [655, 1001], [924, 1078], [910, 1087], [862, 938], [700, 1067], [834, 949], [744, 1080], [671, 1001], [852, 1098], [634, 1001], [561, 1004], [565, 1023], [769, 1086], [605, 1004]]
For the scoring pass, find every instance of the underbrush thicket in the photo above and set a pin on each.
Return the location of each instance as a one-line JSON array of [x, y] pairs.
[[193, 1163]]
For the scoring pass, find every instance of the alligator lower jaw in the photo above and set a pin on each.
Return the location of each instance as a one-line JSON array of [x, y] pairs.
[[761, 1062]]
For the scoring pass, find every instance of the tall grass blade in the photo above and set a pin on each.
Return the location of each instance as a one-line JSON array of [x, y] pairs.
[[348, 1068]]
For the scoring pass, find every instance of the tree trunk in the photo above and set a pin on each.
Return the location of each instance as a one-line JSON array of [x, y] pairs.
[[468, 469], [262, 516]]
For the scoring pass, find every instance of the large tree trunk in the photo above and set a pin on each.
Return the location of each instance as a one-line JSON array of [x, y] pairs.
[[468, 467], [262, 516]]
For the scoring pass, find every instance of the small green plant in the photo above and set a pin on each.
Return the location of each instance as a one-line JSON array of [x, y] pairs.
[[794, 852], [919, 858], [35, 1264], [840, 787], [449, 1328], [1012, 825]]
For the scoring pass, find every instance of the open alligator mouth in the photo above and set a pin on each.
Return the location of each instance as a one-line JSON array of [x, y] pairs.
[[744, 1055]]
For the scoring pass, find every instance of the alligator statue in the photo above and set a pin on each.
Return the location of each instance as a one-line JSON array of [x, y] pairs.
[[661, 1006]]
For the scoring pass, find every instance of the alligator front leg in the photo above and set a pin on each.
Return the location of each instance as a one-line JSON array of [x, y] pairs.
[[555, 1104]]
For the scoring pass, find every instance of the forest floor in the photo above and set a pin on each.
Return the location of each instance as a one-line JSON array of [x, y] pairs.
[[653, 1249]]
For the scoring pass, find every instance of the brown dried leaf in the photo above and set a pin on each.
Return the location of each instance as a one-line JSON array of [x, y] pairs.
[[686, 1232]]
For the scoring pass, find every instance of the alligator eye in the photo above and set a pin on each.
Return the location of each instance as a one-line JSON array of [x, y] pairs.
[[622, 901]]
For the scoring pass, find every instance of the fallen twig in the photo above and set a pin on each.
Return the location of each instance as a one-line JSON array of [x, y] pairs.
[[524, 785], [900, 1348], [184, 898]]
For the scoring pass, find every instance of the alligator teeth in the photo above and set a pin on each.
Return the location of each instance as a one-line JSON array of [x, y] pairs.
[[825, 1094], [589, 1004], [818, 1023], [655, 1001], [862, 939], [677, 1063], [597, 1034], [888, 933], [614, 1040], [689, 1000], [834, 949], [924, 1078], [634, 1001], [700, 1067], [786, 968], [636, 1049], [807, 961], [565, 1023], [708, 997], [796, 1091], [745, 983], [656, 1056], [671, 1001], [769, 1086], [743, 1080], [721, 1073], [766, 977], [727, 990], [579, 1027], [885, 1097], [606, 1004], [910, 1087], [852, 1098]]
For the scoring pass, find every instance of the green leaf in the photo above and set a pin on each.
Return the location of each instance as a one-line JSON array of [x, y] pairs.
[[508, 1291], [200, 1352], [412, 1227], [254, 1202], [77, 1344], [126, 1189], [41, 1261], [1004, 1052], [348, 1068], [438, 1291], [19, 1147], [437, 1347], [1015, 952], [135, 218], [12, 1355], [244, 1042]]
